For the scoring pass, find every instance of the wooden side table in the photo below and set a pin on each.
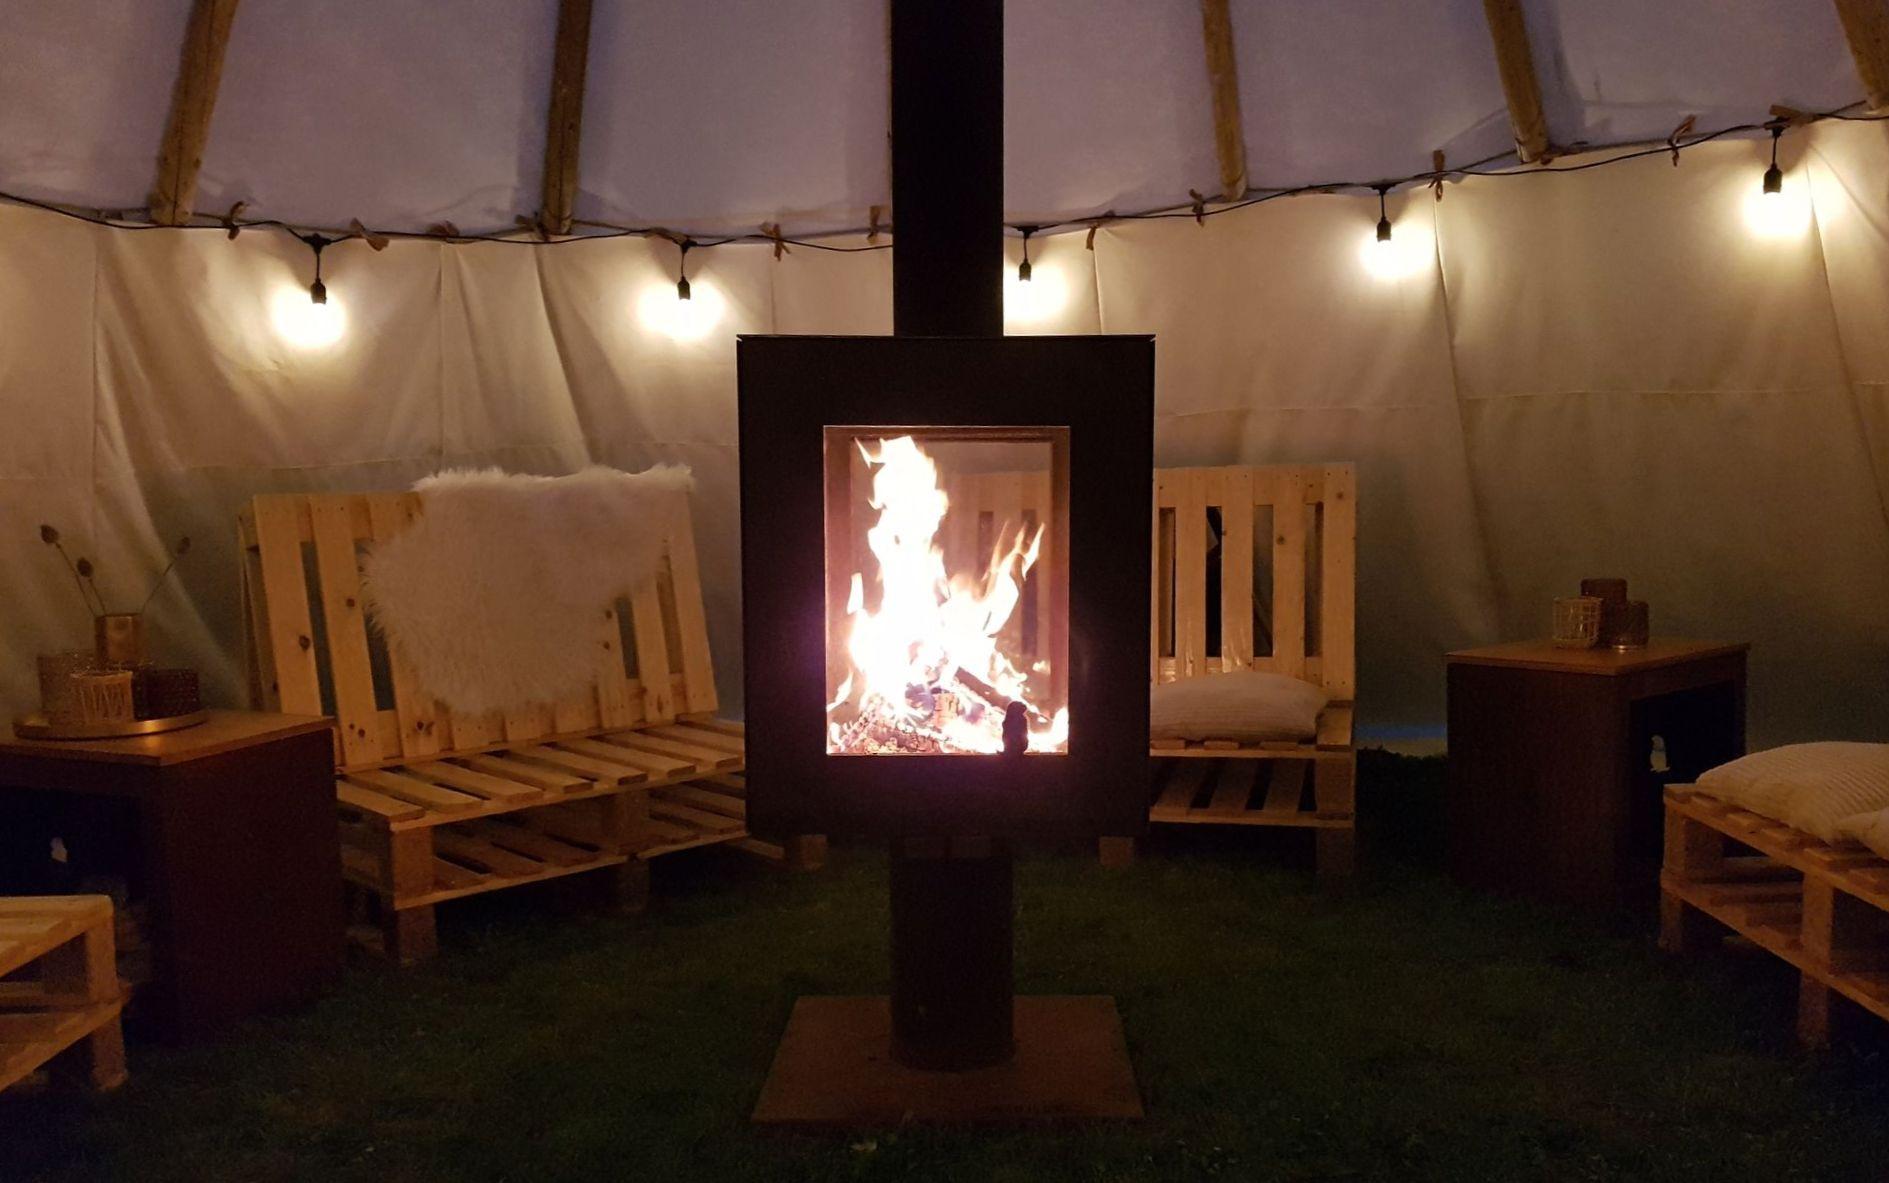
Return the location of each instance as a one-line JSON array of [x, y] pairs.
[[235, 849], [1552, 788]]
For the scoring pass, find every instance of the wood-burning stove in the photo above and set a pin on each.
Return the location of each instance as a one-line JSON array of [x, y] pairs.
[[947, 670]]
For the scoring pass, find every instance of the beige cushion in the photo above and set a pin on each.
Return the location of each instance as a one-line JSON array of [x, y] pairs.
[[1812, 786], [1246, 706], [1871, 829]]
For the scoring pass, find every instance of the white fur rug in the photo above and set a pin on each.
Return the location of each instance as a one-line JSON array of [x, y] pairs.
[[493, 596]]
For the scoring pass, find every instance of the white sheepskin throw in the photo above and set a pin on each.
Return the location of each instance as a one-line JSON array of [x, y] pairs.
[[494, 595]]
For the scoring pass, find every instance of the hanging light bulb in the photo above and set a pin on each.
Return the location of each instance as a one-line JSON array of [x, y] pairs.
[[682, 274], [1774, 176], [1383, 218], [318, 321], [1023, 268]]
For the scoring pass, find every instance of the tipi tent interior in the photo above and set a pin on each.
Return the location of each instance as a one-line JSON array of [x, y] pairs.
[[462, 446]]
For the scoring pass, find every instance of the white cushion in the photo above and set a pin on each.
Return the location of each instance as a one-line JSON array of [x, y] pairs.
[[1246, 706], [1871, 829], [1812, 786]]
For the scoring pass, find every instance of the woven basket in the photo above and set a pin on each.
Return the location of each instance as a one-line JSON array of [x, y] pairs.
[[103, 697]]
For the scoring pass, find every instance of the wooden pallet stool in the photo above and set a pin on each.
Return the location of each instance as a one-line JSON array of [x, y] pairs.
[[1255, 569], [436, 805], [1822, 908], [59, 994]]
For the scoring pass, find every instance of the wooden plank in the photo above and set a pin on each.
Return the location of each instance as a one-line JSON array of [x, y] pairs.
[[469, 850], [479, 783], [706, 758], [380, 805], [701, 819], [1288, 572], [1233, 491], [618, 705], [1866, 28], [1334, 727], [721, 726], [419, 792], [452, 877], [1233, 790], [1190, 571], [1286, 788], [350, 671], [1521, 86], [565, 116], [702, 798], [698, 666], [418, 714], [526, 841], [1223, 79], [652, 654], [1338, 583], [605, 772], [280, 526], [193, 101], [650, 762], [702, 738], [536, 775], [1177, 796]]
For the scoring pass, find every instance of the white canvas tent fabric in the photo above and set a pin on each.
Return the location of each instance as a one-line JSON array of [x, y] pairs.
[[1603, 373], [721, 114]]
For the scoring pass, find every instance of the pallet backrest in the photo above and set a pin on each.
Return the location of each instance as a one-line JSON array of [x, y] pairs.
[[1255, 568], [313, 651]]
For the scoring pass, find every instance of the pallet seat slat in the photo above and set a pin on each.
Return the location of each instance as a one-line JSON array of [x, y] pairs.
[[480, 784], [705, 759], [536, 775], [414, 790]]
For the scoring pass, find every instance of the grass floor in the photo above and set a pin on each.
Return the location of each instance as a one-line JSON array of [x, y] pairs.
[[1409, 1031]]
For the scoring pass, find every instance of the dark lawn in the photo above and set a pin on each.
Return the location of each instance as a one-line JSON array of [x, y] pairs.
[[1407, 1032]]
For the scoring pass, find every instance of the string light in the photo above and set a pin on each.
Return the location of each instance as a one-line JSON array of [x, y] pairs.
[[1774, 176], [1023, 268], [316, 322], [317, 291]]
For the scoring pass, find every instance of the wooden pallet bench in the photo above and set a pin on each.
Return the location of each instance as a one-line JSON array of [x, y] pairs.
[[60, 999], [1822, 908], [437, 805], [1254, 568]]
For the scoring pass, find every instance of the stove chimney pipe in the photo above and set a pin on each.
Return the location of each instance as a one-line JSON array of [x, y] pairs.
[[947, 168]]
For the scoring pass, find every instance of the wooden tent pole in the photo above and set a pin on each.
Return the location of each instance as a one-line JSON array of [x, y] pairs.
[[564, 125], [1520, 84], [1223, 75], [193, 99], [1866, 28]]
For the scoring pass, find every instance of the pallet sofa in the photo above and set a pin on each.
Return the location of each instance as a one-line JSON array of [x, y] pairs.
[[60, 997], [1252, 568], [1822, 908], [1218, 531], [436, 805]]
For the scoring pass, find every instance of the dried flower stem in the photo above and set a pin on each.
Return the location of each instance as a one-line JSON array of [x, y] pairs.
[[48, 534], [157, 585]]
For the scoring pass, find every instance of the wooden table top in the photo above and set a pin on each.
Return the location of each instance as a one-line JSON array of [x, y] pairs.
[[223, 731], [1543, 655]]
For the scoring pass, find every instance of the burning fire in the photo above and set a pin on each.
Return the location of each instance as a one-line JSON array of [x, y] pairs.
[[926, 674]]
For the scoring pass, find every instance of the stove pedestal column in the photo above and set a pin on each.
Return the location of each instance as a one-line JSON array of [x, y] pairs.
[[952, 963]]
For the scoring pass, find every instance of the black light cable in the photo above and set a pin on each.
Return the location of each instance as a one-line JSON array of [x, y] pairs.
[[682, 269], [1023, 268], [1774, 176], [1383, 218], [317, 291]]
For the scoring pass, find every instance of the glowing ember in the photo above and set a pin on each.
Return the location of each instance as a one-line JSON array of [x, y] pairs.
[[927, 675]]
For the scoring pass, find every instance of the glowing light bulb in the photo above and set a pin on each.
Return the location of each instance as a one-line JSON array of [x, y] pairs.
[[308, 318], [1035, 295], [683, 313]]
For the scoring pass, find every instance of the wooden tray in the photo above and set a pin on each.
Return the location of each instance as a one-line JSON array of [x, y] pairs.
[[39, 727]]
